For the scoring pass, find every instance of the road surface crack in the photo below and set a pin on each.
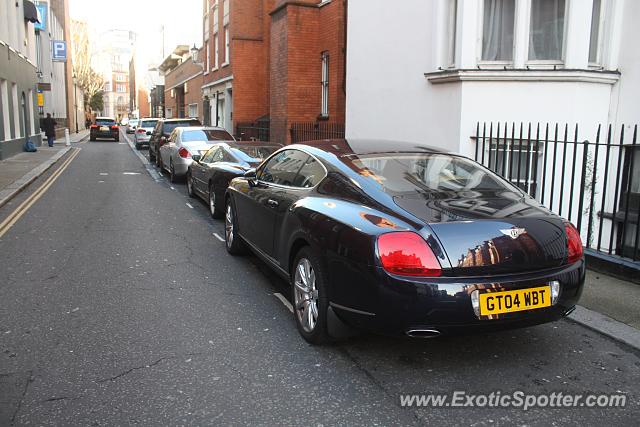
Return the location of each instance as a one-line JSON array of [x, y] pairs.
[[21, 401], [150, 365]]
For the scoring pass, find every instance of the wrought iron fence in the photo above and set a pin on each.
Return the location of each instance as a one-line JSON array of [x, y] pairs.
[[594, 183], [310, 131], [252, 132]]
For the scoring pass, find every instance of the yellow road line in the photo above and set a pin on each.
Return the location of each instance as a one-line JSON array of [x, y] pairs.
[[25, 205]]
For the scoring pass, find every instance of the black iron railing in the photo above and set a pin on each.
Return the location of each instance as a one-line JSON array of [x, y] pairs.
[[310, 131], [252, 132], [593, 182]]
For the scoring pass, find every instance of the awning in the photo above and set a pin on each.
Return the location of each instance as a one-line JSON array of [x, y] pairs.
[[30, 12]]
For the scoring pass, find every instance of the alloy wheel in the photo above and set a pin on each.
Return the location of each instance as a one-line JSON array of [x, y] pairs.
[[305, 295], [228, 225]]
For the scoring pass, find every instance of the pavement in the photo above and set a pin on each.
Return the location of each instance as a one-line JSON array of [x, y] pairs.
[[119, 305], [22, 169]]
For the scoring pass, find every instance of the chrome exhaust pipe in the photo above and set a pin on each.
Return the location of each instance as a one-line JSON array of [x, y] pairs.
[[423, 333]]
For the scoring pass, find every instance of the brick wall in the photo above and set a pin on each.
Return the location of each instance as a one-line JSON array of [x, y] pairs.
[[191, 74], [299, 36]]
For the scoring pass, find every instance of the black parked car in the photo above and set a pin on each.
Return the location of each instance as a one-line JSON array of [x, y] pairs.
[[104, 127], [209, 175], [161, 133], [403, 239]]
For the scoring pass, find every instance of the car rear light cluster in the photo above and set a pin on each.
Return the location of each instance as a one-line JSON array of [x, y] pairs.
[[141, 131], [184, 153], [114, 127], [574, 243], [406, 253], [94, 126]]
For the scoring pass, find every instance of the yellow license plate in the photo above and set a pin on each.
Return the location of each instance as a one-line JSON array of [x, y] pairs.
[[513, 301]]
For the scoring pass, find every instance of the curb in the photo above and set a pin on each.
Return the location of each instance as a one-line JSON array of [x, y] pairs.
[[606, 326], [20, 184]]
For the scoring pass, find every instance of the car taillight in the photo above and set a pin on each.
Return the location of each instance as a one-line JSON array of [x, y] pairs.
[[407, 254], [574, 243], [114, 127], [141, 131], [94, 126], [184, 153]]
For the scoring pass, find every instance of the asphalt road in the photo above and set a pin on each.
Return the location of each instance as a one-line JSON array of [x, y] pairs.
[[119, 305]]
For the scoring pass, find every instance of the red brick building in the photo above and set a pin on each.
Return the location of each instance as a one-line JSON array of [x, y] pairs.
[[281, 60], [183, 84]]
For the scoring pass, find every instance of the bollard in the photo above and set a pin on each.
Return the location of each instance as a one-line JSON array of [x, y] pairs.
[[66, 137]]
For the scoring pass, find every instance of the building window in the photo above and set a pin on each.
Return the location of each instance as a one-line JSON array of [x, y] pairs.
[[206, 42], [216, 52], [324, 109], [546, 30], [227, 57], [193, 111], [225, 11], [107, 87], [215, 18], [121, 88], [497, 30], [452, 13], [596, 33], [121, 78], [16, 111], [169, 113], [4, 99]]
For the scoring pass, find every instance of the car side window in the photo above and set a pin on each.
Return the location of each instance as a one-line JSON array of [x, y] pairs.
[[209, 155], [282, 168], [217, 157], [310, 174]]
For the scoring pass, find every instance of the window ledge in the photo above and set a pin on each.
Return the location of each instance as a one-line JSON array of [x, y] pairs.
[[224, 65], [525, 75]]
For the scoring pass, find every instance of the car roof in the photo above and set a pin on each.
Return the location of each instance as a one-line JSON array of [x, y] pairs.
[[184, 119], [347, 147], [192, 128], [238, 144], [105, 118]]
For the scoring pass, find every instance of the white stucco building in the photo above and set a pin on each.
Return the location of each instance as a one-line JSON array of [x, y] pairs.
[[430, 71]]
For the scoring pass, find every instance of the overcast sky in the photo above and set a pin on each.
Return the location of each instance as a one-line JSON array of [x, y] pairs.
[[182, 20]]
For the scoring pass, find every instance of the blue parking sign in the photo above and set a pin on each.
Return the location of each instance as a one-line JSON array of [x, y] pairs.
[[59, 50]]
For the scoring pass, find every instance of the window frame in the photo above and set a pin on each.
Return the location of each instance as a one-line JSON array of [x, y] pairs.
[[451, 34], [544, 63], [227, 46], [260, 169], [324, 84], [600, 46], [480, 39]]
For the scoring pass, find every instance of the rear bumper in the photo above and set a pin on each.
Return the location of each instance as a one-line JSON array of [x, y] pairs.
[[395, 305], [110, 135]]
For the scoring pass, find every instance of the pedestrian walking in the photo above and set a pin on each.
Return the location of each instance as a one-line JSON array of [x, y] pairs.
[[49, 128]]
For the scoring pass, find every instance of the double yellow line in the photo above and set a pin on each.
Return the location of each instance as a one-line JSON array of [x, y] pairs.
[[25, 205]]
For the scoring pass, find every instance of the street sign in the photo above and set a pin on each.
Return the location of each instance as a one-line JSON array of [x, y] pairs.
[[42, 17], [40, 99], [59, 50]]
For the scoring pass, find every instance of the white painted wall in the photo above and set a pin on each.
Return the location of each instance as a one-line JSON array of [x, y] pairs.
[[388, 96]]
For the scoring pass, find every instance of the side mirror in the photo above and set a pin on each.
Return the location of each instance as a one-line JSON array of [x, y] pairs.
[[196, 158], [251, 177]]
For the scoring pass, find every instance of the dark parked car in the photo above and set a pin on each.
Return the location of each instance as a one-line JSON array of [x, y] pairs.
[[161, 133], [209, 175], [403, 239], [104, 127]]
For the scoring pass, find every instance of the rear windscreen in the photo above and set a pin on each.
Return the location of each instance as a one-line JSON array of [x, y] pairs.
[[105, 122], [170, 126], [206, 135], [148, 123]]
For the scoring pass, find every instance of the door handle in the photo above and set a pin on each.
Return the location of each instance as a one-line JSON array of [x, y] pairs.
[[272, 203]]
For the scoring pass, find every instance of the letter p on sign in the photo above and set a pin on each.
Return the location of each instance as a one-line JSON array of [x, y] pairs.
[[59, 50]]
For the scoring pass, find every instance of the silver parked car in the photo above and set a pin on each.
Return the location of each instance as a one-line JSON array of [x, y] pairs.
[[175, 154], [132, 125], [143, 133]]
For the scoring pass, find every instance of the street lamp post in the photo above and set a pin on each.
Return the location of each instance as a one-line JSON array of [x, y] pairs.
[[75, 99]]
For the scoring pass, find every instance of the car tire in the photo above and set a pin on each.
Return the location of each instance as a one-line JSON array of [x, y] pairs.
[[159, 162], [233, 242], [309, 294], [152, 155], [214, 205], [190, 191], [92, 138], [138, 147]]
